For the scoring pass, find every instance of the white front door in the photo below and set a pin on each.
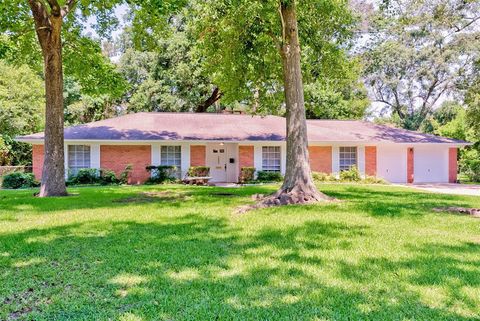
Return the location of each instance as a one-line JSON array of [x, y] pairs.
[[217, 161]]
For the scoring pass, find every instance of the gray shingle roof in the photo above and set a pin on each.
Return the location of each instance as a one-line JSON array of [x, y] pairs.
[[226, 127]]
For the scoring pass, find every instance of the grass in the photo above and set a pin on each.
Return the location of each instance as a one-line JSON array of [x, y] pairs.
[[178, 253]]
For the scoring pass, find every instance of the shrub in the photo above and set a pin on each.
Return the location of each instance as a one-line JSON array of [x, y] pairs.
[[323, 177], [108, 177], [85, 176], [162, 174], [470, 165], [247, 174], [19, 180], [125, 174], [350, 175], [264, 176], [199, 171]]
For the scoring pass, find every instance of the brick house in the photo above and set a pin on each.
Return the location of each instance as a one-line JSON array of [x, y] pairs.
[[227, 143]]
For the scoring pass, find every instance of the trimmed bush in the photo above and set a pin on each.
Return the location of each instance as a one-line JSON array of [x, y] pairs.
[[351, 175], [19, 180], [374, 180], [199, 171], [108, 177], [247, 174], [85, 176], [162, 174], [264, 176]]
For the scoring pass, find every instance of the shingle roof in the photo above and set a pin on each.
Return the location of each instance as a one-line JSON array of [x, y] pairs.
[[226, 127]]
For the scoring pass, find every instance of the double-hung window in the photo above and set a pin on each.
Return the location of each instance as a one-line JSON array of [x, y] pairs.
[[348, 158], [78, 158], [271, 158], [171, 156]]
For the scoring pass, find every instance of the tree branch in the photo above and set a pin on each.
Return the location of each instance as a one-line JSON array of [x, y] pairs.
[[68, 7]]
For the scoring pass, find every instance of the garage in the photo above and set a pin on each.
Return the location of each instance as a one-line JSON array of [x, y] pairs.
[[392, 163], [430, 164]]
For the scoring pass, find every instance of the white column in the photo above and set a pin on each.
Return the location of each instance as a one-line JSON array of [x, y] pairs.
[[257, 157], [65, 159], [283, 158], [95, 156], [155, 154], [335, 161], [185, 162], [361, 160]]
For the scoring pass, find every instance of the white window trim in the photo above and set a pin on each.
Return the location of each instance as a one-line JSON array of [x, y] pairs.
[[279, 158]]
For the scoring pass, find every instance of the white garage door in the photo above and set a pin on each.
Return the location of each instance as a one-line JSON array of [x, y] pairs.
[[392, 163], [430, 164]]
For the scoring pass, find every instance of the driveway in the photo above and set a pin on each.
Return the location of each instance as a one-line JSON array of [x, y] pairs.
[[444, 188]]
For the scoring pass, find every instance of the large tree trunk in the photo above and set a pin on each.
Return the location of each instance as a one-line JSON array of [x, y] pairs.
[[298, 183], [53, 174]]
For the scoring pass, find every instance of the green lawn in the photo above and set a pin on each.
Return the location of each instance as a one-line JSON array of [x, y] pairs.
[[179, 253]]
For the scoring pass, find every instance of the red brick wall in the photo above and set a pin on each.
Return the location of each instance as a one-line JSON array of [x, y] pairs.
[[452, 165], [245, 154], [37, 161], [115, 157], [371, 160], [321, 158], [198, 154], [410, 165]]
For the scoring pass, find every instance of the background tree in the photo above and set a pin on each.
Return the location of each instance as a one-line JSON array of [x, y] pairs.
[[417, 54], [52, 18], [22, 106]]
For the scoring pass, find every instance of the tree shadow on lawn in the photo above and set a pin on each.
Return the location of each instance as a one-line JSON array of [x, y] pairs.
[[397, 202], [117, 197], [194, 267]]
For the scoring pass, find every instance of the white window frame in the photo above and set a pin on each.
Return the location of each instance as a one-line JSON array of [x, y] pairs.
[[271, 158], [347, 157], [77, 157], [171, 155]]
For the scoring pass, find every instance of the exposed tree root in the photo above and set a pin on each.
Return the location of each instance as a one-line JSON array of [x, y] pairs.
[[285, 197]]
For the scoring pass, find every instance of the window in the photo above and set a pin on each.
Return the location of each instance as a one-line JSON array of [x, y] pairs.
[[171, 156], [271, 158], [78, 158], [348, 157]]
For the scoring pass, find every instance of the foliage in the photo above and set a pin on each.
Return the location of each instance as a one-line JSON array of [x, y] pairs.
[[19, 180], [84, 176], [323, 177], [108, 177], [350, 175], [198, 171], [265, 176], [170, 78], [240, 50], [162, 174], [419, 52], [247, 174], [381, 247], [470, 164], [125, 174]]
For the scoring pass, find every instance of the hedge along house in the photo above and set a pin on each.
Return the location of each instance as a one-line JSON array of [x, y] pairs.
[[226, 143]]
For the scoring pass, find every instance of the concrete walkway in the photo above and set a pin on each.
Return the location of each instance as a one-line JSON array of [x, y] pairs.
[[445, 188]]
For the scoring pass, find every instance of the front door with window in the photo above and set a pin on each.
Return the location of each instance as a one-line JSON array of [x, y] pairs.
[[217, 161]]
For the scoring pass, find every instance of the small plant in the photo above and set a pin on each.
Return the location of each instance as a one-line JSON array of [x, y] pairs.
[[162, 174], [351, 175], [125, 174], [323, 177], [264, 176], [247, 174], [374, 180], [19, 180], [199, 171]]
